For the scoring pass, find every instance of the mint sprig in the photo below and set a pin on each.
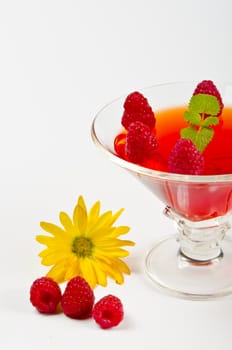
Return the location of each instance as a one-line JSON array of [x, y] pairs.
[[201, 115]]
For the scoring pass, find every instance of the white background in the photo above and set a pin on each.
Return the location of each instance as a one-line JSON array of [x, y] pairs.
[[60, 62]]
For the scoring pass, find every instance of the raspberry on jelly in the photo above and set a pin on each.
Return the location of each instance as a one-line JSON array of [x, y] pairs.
[[208, 87], [135, 102], [78, 298], [108, 311], [137, 108], [185, 158], [45, 295], [141, 143]]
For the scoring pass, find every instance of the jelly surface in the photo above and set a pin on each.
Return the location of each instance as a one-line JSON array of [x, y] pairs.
[[169, 122]]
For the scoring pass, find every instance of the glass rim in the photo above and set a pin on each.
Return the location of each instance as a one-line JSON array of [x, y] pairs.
[[140, 170]]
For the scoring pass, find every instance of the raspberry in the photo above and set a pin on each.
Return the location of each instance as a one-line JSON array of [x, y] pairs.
[[137, 108], [185, 158], [208, 87], [108, 311], [78, 298], [141, 144], [45, 295], [134, 102]]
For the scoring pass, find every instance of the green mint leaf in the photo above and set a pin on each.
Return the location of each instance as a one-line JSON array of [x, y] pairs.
[[189, 133], [209, 121], [201, 116], [204, 104], [192, 117], [203, 138]]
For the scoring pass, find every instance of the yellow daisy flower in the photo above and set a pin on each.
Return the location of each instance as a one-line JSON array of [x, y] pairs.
[[87, 245]]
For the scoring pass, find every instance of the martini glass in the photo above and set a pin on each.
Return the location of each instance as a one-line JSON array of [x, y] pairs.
[[195, 262]]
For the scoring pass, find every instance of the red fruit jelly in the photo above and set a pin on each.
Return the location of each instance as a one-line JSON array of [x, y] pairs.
[[169, 122], [194, 200]]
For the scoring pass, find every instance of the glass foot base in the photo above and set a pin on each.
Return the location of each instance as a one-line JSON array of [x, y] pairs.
[[180, 276]]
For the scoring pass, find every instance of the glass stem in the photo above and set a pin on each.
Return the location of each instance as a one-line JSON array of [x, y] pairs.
[[199, 240]]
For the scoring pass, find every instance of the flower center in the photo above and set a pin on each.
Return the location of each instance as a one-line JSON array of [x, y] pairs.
[[82, 247]]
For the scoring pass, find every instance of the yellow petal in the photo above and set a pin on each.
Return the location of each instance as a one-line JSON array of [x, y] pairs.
[[120, 230], [99, 232], [52, 257], [114, 252], [122, 266], [88, 272], [111, 243], [44, 253], [52, 228], [57, 272], [102, 223], [72, 271], [55, 243], [94, 212], [81, 203], [80, 219], [100, 274], [66, 222], [47, 240], [113, 272], [98, 255], [116, 216]]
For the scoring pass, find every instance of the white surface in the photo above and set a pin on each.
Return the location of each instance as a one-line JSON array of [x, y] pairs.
[[60, 62]]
